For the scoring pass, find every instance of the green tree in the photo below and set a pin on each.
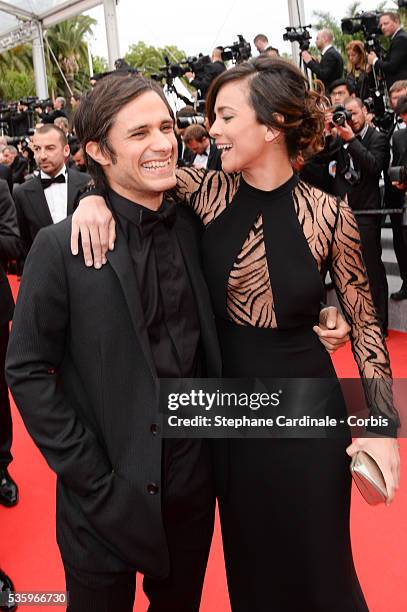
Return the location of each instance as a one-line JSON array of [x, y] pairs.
[[100, 64], [68, 43], [15, 84], [149, 59]]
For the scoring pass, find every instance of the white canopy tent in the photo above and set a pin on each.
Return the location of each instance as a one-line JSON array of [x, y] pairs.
[[25, 20]]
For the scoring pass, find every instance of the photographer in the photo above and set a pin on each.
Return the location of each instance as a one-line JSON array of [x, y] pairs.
[[362, 155], [358, 70], [59, 111], [394, 66], [398, 199], [20, 121], [330, 67], [261, 42], [210, 72]]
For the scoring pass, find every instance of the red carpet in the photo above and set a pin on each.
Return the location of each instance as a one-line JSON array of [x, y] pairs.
[[28, 551]]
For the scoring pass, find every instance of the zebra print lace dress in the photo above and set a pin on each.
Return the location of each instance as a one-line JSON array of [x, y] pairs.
[[265, 255]]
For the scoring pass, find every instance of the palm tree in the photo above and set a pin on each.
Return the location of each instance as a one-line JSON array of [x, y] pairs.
[[68, 43]]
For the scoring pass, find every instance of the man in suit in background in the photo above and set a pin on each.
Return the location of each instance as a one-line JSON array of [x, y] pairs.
[[51, 196], [203, 153], [6, 175], [17, 164], [9, 249], [394, 64], [330, 68], [361, 158], [399, 197]]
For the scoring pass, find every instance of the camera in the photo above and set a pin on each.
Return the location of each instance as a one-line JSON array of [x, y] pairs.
[[351, 175], [340, 115], [184, 122], [300, 35], [240, 51], [398, 174], [368, 23]]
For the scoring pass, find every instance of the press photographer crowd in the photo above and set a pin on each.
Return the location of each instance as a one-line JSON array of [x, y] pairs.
[[362, 159]]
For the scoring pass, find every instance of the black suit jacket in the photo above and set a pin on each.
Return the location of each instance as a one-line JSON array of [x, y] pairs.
[[7, 175], [214, 157], [370, 157], [32, 208], [394, 65], [395, 198], [80, 368], [19, 168], [9, 249], [329, 68]]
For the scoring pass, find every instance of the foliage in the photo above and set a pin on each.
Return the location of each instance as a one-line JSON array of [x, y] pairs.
[[100, 64], [15, 84], [68, 43], [150, 60]]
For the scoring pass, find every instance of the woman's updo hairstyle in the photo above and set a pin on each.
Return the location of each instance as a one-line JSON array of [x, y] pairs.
[[281, 98]]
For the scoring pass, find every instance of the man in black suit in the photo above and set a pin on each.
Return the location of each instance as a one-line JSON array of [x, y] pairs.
[[398, 193], [362, 155], [17, 164], [58, 111], [330, 68], [52, 195], [85, 352], [9, 249], [213, 69], [6, 175], [203, 153], [394, 65]]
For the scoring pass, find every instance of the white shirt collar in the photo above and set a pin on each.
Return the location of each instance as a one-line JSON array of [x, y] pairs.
[[326, 49], [398, 30]]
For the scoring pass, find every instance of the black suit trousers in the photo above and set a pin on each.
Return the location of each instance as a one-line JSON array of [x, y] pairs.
[[370, 237], [5, 413], [400, 244], [188, 504]]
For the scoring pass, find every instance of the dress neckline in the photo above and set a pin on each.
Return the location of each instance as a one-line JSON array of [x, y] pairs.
[[260, 194]]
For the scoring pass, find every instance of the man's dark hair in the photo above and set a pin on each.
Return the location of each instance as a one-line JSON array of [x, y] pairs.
[[270, 48], [51, 127], [195, 132], [98, 109], [261, 37], [186, 111], [401, 108], [393, 16], [341, 83]]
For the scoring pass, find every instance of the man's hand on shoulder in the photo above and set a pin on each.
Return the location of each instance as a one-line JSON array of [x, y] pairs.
[[332, 330]]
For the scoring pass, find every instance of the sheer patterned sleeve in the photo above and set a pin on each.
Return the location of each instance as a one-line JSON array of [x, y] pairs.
[[368, 344], [207, 192]]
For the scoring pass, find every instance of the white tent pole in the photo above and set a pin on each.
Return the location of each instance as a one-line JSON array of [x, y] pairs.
[[296, 16], [112, 31], [40, 71]]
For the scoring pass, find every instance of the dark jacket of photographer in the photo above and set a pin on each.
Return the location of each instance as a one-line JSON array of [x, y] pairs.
[[203, 82], [329, 69], [370, 156], [394, 65], [50, 117]]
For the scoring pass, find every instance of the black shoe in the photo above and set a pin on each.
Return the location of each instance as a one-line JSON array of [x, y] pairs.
[[6, 586], [401, 294], [8, 489]]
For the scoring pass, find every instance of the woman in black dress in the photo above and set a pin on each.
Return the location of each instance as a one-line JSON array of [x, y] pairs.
[[268, 241]]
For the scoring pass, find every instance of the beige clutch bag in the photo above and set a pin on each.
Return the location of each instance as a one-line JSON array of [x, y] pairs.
[[368, 478]]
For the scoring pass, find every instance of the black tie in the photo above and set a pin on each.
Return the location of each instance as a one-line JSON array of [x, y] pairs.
[[150, 219], [46, 182]]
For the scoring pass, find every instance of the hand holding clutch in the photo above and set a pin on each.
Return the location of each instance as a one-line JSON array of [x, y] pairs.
[[377, 470]]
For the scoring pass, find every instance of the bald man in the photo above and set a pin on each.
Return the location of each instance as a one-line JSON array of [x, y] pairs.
[[330, 67]]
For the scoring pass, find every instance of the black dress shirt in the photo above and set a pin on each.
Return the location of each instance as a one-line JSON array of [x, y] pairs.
[[170, 312]]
